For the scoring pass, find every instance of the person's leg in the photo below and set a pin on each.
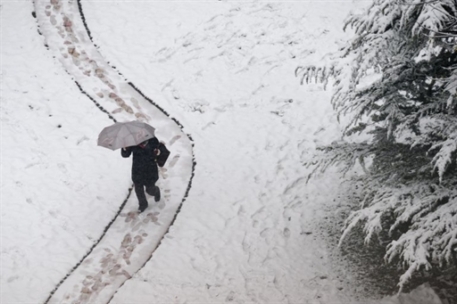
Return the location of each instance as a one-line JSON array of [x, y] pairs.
[[153, 190], [143, 202]]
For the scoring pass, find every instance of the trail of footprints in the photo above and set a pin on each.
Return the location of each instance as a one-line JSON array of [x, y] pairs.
[[111, 263], [72, 49], [104, 265]]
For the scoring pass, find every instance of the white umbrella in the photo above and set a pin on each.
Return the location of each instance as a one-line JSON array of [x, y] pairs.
[[125, 134]]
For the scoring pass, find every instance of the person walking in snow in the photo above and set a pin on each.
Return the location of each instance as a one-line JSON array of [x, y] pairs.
[[144, 170]]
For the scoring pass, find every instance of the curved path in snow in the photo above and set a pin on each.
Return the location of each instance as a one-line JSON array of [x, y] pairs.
[[129, 240]]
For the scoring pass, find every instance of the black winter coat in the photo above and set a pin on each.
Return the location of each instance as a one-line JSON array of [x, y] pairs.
[[144, 166]]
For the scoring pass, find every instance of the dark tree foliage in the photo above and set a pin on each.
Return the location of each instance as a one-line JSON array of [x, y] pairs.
[[395, 87]]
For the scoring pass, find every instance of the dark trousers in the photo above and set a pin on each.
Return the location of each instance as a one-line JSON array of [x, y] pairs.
[[151, 189]]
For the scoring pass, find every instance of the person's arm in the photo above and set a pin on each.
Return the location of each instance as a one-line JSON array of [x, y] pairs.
[[154, 146], [125, 152]]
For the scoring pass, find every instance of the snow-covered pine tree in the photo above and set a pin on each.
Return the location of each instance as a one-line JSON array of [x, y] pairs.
[[396, 82]]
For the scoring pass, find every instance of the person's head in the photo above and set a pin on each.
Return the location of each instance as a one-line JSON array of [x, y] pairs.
[[144, 143]]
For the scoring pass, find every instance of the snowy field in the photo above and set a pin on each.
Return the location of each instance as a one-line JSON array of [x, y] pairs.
[[248, 227]]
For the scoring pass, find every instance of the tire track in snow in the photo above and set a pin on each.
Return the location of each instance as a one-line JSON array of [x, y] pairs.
[[129, 240]]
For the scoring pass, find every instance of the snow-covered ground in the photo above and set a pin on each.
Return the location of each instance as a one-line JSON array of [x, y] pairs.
[[248, 230]]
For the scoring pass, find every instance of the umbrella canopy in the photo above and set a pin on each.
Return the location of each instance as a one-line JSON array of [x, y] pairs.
[[125, 134]]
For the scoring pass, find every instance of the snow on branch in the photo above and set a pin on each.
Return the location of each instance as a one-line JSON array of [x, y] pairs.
[[433, 15], [429, 212], [432, 239], [445, 156], [339, 154]]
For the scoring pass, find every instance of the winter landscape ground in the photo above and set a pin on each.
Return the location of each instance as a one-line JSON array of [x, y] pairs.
[[237, 222]]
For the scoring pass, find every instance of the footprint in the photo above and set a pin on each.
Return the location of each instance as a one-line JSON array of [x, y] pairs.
[[286, 232], [155, 216], [174, 139], [124, 272], [141, 116], [163, 174], [135, 103], [118, 110], [105, 261], [151, 217], [174, 161], [98, 285], [114, 270], [255, 216], [161, 204], [230, 297], [86, 290], [265, 232], [76, 61], [127, 240], [87, 281], [136, 227], [62, 168], [84, 297], [128, 253], [132, 215], [138, 239]]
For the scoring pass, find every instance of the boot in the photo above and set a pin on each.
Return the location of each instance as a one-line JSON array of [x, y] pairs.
[[157, 194], [142, 208], [143, 202]]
